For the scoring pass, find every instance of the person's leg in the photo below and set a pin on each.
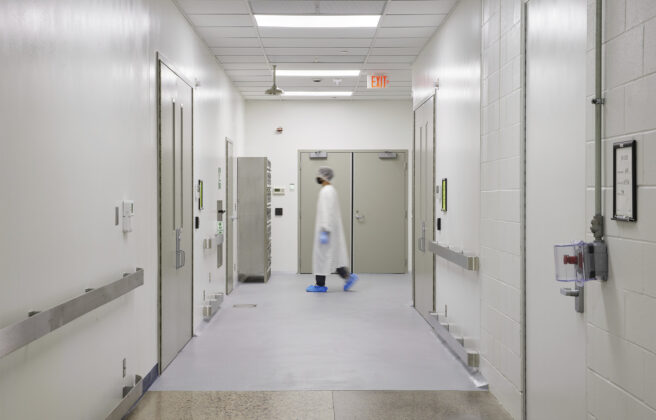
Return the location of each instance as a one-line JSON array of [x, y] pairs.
[[321, 280], [349, 278]]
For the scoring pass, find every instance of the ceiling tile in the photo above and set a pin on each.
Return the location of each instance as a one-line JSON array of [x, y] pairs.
[[419, 32], [237, 51], [400, 21], [391, 59], [245, 66], [395, 51], [242, 58], [211, 33], [282, 7], [400, 42], [420, 7], [213, 6], [386, 66], [236, 73], [351, 7], [236, 42], [317, 42], [317, 51], [221, 20], [317, 59]]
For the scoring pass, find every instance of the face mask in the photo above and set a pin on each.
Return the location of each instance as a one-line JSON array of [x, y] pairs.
[[319, 181]]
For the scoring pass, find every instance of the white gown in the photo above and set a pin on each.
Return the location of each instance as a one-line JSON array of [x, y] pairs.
[[326, 258]]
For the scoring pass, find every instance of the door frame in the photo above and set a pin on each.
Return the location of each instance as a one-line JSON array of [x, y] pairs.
[[432, 97], [159, 60], [298, 204], [229, 219]]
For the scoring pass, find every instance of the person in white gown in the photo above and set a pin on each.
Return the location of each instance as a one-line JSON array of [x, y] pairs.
[[330, 252]]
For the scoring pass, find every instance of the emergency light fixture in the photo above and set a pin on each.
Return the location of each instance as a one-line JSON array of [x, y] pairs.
[[317, 21]]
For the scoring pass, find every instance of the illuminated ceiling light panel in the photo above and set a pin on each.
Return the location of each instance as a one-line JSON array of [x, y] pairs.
[[319, 73], [323, 93], [318, 21]]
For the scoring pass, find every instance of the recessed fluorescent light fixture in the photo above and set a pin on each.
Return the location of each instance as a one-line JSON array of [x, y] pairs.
[[319, 73], [318, 21], [320, 93]]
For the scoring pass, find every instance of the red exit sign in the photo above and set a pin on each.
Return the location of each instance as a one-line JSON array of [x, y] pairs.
[[376, 81]]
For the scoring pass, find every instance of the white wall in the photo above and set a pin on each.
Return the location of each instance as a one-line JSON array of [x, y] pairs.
[[78, 121], [316, 125], [453, 56], [476, 55], [621, 338]]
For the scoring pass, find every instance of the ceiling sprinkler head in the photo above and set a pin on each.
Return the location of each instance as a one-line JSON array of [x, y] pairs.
[[316, 80]]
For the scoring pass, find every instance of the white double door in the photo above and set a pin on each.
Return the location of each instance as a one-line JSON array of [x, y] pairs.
[[372, 190]]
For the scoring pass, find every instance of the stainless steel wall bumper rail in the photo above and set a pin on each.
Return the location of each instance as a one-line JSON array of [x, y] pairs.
[[41, 323], [466, 261]]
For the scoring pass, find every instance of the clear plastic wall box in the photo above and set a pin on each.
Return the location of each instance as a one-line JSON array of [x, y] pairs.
[[574, 262]]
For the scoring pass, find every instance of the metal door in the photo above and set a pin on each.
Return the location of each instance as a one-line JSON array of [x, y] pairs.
[[380, 228], [424, 208], [231, 215], [176, 213], [555, 198], [341, 163]]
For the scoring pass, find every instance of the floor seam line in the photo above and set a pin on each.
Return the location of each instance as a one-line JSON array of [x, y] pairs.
[[332, 396]]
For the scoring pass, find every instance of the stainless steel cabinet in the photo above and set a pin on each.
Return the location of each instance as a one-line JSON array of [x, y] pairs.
[[254, 204]]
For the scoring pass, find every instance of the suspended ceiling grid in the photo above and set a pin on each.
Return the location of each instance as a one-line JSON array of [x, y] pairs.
[[247, 51]]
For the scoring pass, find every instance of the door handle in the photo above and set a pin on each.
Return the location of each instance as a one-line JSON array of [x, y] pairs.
[[421, 243], [180, 256], [359, 216], [565, 291], [578, 294]]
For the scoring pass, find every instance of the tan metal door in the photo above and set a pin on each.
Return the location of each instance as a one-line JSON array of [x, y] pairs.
[[230, 217], [424, 208], [176, 214], [380, 226], [341, 163]]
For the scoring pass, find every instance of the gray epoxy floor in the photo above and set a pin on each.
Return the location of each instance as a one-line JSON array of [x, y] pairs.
[[366, 339]]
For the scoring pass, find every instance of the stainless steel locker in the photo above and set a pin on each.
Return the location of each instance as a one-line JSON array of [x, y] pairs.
[[254, 202]]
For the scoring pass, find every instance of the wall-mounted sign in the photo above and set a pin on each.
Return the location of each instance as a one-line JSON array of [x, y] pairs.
[[199, 190], [625, 197], [444, 194], [376, 81]]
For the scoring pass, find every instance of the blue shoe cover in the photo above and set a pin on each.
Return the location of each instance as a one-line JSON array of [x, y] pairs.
[[351, 280], [315, 288]]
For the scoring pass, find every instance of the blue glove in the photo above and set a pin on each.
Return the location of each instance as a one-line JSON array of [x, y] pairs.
[[324, 237]]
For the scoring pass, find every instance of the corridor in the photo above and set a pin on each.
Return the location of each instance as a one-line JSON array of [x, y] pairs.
[[181, 179]]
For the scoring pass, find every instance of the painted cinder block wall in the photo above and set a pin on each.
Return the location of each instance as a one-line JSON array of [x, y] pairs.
[[620, 313], [501, 332]]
